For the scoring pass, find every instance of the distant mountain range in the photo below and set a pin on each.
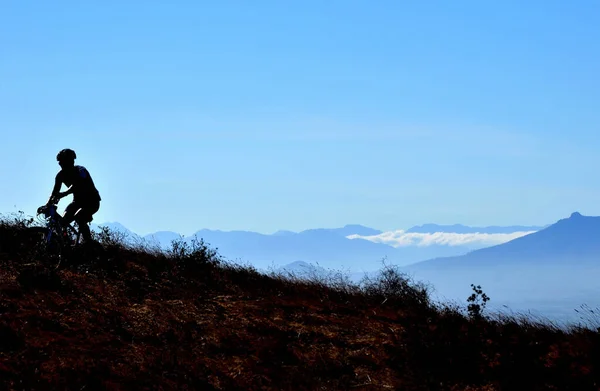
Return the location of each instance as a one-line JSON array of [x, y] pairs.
[[329, 247], [354, 247], [554, 270], [463, 229], [574, 240]]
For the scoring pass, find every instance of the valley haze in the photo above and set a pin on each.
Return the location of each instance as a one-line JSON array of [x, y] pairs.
[[355, 247]]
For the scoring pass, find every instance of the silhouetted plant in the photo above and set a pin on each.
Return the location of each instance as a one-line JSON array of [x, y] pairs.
[[194, 255], [19, 220], [478, 301], [13, 234], [590, 318], [392, 284], [109, 237]]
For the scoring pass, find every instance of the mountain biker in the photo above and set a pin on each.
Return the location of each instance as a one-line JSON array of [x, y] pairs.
[[86, 198]]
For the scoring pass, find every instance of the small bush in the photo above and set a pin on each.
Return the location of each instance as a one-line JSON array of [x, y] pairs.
[[109, 237], [393, 285], [14, 238], [478, 301], [193, 256], [17, 221]]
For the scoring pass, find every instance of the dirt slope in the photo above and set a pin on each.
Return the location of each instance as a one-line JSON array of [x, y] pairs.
[[133, 319]]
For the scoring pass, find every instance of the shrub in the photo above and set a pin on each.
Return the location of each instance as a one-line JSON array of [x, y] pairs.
[[109, 237], [393, 285], [193, 256], [478, 301]]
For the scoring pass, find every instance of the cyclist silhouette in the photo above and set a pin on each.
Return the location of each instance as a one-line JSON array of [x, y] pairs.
[[86, 198]]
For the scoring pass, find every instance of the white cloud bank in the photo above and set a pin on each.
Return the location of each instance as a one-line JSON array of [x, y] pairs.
[[401, 238]]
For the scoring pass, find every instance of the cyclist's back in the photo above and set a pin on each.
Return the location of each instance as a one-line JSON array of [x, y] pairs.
[[84, 189]]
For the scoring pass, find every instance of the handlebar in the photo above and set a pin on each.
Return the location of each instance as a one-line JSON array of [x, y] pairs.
[[47, 210]]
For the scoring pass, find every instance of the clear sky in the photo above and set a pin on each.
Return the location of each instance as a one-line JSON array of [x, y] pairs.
[[266, 115]]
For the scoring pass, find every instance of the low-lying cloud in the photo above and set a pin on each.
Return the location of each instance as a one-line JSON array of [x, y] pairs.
[[401, 238]]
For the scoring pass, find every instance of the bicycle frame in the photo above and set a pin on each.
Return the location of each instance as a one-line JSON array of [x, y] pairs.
[[55, 225]]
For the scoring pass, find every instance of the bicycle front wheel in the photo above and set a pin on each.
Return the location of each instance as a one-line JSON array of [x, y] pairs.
[[40, 240]]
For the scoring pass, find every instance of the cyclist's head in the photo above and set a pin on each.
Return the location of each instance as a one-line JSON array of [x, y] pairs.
[[66, 157]]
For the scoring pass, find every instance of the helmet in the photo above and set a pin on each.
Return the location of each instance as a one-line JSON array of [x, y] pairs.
[[66, 154]]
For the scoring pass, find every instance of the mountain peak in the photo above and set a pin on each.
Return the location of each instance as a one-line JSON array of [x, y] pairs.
[[354, 226], [348, 229], [571, 240], [464, 229], [282, 232]]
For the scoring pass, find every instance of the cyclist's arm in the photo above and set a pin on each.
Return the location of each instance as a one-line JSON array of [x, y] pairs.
[[66, 193], [56, 193]]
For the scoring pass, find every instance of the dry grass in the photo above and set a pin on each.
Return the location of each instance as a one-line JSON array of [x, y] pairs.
[[138, 318]]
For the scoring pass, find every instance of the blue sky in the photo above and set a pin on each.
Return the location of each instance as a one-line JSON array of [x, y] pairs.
[[267, 115]]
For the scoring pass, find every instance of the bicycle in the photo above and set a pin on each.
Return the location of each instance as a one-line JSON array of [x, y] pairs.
[[56, 238]]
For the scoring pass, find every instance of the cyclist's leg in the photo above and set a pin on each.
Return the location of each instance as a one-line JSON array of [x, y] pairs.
[[70, 212], [84, 216]]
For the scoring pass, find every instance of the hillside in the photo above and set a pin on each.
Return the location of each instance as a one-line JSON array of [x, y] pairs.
[[120, 317]]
